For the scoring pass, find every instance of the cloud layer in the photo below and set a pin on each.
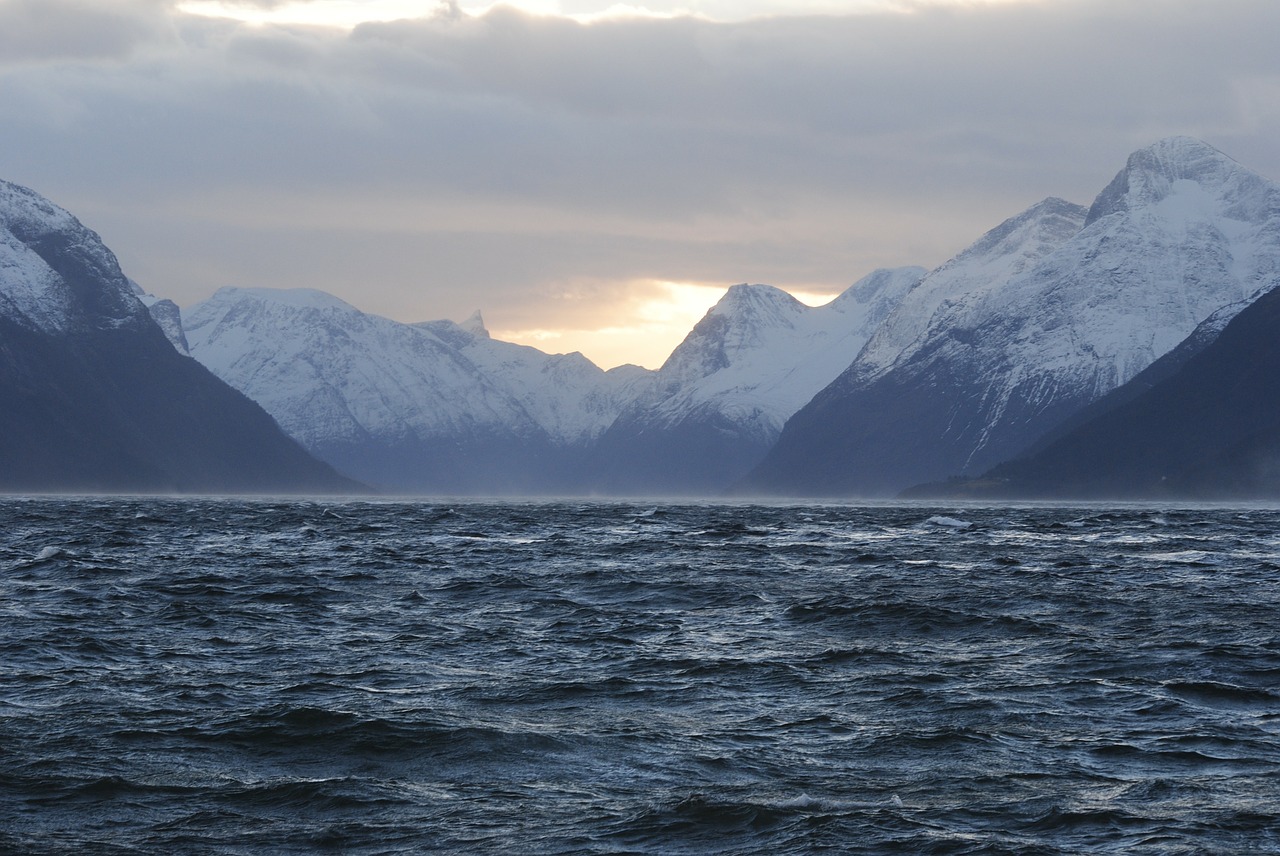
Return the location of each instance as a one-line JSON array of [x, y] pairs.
[[546, 170]]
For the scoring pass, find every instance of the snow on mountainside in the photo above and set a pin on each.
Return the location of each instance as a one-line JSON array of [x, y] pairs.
[[567, 395], [971, 369], [54, 272], [719, 401], [759, 354], [92, 395], [1003, 253], [443, 406], [1206, 425], [432, 406], [329, 373]]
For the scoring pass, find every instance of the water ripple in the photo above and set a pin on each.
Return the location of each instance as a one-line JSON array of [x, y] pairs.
[[228, 676]]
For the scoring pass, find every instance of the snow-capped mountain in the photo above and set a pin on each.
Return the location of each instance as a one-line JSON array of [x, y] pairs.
[[93, 396], [1203, 421], [56, 274], [442, 406], [431, 407], [567, 395], [978, 273], [719, 402], [973, 368]]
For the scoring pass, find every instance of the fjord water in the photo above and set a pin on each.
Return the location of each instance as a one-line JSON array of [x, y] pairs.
[[230, 676]]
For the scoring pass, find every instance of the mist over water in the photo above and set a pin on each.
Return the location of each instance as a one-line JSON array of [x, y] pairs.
[[225, 676]]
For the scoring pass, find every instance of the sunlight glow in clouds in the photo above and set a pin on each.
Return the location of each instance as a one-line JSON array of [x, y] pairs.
[[658, 324], [552, 168]]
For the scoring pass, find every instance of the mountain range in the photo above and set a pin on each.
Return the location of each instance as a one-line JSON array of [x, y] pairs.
[[443, 407], [1031, 363], [1042, 316], [1201, 422], [435, 407]]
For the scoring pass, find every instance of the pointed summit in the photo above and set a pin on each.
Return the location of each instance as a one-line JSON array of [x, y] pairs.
[[722, 397], [756, 303], [475, 325], [739, 322]]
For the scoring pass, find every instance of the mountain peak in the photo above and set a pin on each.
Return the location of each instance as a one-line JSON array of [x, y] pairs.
[[92, 397], [1151, 174], [756, 302], [475, 325], [57, 273], [21, 205]]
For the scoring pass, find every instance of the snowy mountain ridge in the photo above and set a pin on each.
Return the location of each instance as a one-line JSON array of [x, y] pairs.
[[328, 372], [389, 402], [33, 231], [345, 383], [982, 365], [567, 395], [720, 400], [759, 354], [1001, 254], [907, 376], [93, 397]]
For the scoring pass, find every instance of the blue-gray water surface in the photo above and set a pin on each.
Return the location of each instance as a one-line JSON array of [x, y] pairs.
[[253, 676]]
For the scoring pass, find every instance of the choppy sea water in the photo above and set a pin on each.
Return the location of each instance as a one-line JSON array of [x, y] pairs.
[[226, 676]]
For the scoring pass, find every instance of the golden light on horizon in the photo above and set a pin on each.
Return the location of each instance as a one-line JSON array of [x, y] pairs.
[[643, 331], [650, 330]]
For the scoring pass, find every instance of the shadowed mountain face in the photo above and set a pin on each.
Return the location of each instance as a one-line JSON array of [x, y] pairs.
[[1203, 426], [1041, 317], [94, 397]]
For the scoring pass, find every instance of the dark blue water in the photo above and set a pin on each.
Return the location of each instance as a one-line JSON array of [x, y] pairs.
[[294, 677]]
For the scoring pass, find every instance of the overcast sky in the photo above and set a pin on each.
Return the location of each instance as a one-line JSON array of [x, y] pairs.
[[592, 177]]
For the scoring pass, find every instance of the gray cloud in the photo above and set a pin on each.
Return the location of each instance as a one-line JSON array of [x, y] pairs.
[[68, 30], [423, 168]]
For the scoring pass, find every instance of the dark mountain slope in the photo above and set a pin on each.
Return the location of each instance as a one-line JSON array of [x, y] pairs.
[[93, 397], [1211, 430]]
